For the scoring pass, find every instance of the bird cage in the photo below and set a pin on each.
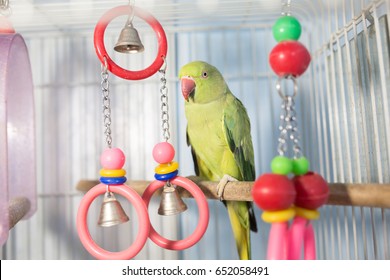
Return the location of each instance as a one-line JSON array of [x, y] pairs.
[[342, 105]]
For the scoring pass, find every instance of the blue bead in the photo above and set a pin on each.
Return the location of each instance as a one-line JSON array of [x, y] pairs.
[[166, 177], [113, 180]]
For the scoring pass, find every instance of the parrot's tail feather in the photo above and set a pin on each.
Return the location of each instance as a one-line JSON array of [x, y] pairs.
[[241, 228], [244, 251]]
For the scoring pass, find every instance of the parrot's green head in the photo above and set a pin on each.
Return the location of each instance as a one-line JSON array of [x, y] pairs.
[[201, 82]]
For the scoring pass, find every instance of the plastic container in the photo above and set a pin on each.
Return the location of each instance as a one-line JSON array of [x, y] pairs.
[[17, 136]]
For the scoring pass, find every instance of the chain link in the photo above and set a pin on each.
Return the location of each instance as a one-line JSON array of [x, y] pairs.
[[164, 103], [105, 86]]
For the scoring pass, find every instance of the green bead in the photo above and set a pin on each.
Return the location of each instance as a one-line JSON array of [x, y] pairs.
[[300, 166], [286, 28], [281, 165]]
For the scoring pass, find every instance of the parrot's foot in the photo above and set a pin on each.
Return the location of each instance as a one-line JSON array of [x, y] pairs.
[[222, 184]]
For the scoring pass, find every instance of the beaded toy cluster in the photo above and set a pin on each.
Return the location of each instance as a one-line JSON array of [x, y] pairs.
[[163, 153], [275, 193], [291, 191], [283, 198], [288, 57], [112, 173]]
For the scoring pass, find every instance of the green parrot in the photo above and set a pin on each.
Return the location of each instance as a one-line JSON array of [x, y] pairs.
[[218, 131]]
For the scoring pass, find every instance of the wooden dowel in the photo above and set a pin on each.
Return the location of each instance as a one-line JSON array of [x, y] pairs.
[[369, 195], [18, 208]]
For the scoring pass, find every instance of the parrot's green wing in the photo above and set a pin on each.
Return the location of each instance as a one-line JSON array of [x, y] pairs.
[[237, 128], [237, 131], [196, 167]]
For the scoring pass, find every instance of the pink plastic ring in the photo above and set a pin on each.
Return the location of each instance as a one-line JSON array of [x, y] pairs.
[[203, 214], [143, 223], [111, 65]]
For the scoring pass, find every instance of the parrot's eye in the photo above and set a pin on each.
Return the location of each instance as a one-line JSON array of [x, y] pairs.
[[204, 75]]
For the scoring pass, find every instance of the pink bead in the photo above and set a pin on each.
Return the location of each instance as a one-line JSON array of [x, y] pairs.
[[112, 159], [163, 152]]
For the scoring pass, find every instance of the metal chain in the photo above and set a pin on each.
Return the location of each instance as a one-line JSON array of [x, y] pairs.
[[164, 102], [106, 104], [286, 7], [288, 125], [283, 136], [292, 127]]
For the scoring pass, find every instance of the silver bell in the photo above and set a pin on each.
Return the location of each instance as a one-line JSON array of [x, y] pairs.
[[129, 41], [171, 202], [111, 212]]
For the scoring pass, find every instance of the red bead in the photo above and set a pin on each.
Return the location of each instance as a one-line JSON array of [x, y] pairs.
[[272, 192], [312, 190], [289, 58]]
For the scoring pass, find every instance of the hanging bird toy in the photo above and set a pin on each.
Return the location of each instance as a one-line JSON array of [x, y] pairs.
[[112, 180], [167, 178], [112, 174], [131, 41], [283, 198]]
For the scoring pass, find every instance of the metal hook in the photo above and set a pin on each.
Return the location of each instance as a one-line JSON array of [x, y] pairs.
[[369, 16], [131, 16], [104, 67], [163, 68], [5, 8], [4, 4], [279, 87]]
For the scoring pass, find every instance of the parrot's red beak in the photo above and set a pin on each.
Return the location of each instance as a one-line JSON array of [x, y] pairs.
[[187, 86]]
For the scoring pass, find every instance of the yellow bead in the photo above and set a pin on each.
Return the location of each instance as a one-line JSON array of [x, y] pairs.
[[307, 213], [278, 216], [112, 172], [166, 168]]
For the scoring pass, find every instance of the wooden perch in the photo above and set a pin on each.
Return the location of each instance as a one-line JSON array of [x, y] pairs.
[[369, 195], [18, 208]]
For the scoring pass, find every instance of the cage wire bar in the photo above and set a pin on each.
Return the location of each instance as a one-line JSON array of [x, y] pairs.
[[343, 103], [357, 81]]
